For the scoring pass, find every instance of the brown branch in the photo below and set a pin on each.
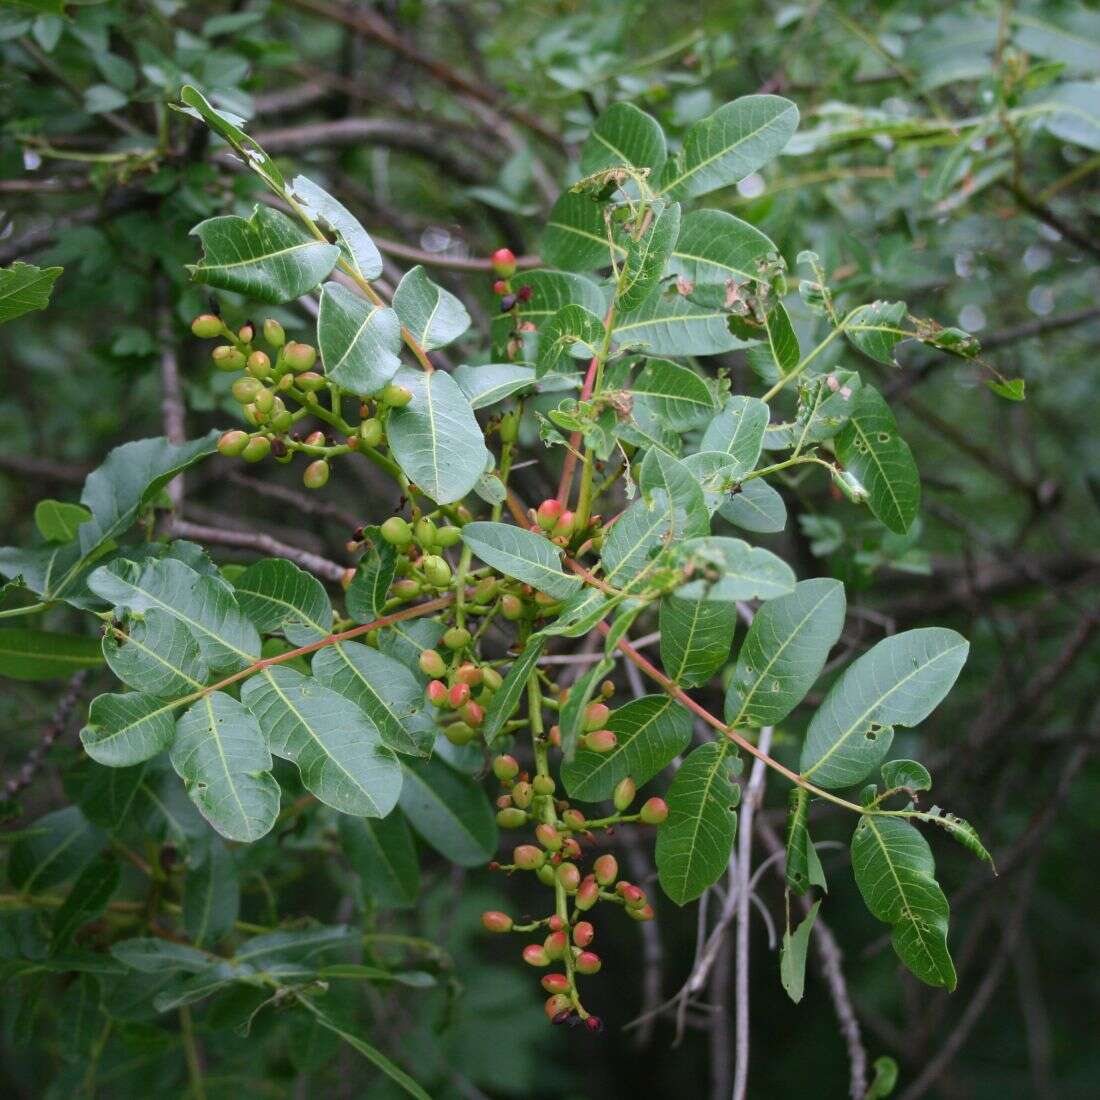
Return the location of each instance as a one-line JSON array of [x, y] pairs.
[[1043, 213], [441, 259], [171, 392], [303, 503]]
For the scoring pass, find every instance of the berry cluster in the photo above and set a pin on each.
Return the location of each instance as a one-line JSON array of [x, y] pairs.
[[278, 388], [562, 832]]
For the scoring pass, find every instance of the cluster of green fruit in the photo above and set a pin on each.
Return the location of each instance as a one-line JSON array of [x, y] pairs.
[[561, 833], [279, 387]]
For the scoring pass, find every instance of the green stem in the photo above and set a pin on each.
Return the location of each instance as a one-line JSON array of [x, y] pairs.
[[30, 609], [191, 1053]]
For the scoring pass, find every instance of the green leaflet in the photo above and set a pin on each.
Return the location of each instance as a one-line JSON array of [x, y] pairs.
[[267, 257], [677, 395], [436, 438], [211, 895], [366, 595], [715, 248], [667, 323], [646, 257], [876, 329], [337, 748], [651, 732], [792, 955], [738, 431], [58, 521], [434, 316], [127, 729], [382, 853], [825, 402], [660, 471], [730, 569], [571, 330], [895, 873], [44, 655], [57, 848], [803, 867], [577, 237], [550, 290], [898, 682], [202, 603], [694, 843], [871, 449], [523, 555], [384, 689], [624, 135], [157, 654], [571, 714], [696, 636], [450, 812], [754, 506], [357, 248], [1073, 113], [507, 698], [278, 596], [649, 524], [220, 754], [729, 145], [493, 382], [25, 288], [359, 341], [784, 652], [86, 900]]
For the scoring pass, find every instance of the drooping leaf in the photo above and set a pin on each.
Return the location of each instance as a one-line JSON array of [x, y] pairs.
[[792, 955], [434, 316], [436, 438], [647, 256], [784, 652], [895, 873], [157, 655], [677, 395], [204, 605], [25, 288], [729, 569], [695, 841], [651, 732], [357, 248], [337, 748], [211, 895], [885, 1079], [127, 729], [267, 257], [276, 595], [228, 126], [803, 865], [58, 520], [898, 682], [44, 655], [730, 144], [384, 689], [624, 135], [738, 431], [1073, 114], [493, 382], [871, 449], [220, 754], [359, 340], [696, 636], [522, 555], [382, 853], [876, 329], [957, 828], [450, 812], [507, 697], [906, 774]]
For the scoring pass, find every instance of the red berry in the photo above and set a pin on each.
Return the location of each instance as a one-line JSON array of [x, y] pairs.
[[583, 933], [548, 837], [588, 893], [505, 767], [495, 921], [468, 673], [555, 923], [504, 262], [524, 293], [600, 741], [458, 695], [555, 944], [473, 713], [596, 716], [564, 526], [594, 1024], [588, 962], [534, 954], [500, 287], [654, 811], [555, 983], [437, 693], [607, 870], [548, 514]]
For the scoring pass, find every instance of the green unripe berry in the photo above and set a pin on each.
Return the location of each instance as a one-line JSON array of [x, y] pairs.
[[450, 536], [311, 381], [264, 400], [596, 716], [654, 811], [424, 532], [511, 607], [624, 794], [251, 415], [486, 588], [547, 875], [505, 767], [259, 365], [395, 395], [491, 679], [227, 358], [523, 794], [245, 334], [543, 784], [406, 588], [274, 333], [299, 357], [245, 389], [511, 818], [280, 418], [370, 432], [233, 443], [459, 733], [569, 876], [316, 474], [259, 447], [206, 326], [534, 954], [432, 664], [458, 636], [606, 869], [437, 573], [547, 836], [509, 427], [495, 921], [396, 531], [528, 858]]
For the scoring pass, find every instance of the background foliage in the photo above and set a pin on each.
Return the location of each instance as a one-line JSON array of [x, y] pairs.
[[946, 157]]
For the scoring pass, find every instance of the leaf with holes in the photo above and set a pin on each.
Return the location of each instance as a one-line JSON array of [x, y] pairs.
[[876, 329], [695, 841], [577, 236], [647, 255], [667, 323], [898, 682], [571, 333], [730, 569], [716, 251]]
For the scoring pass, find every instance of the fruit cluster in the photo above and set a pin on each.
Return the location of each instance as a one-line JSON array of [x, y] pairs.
[[278, 388], [562, 833]]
